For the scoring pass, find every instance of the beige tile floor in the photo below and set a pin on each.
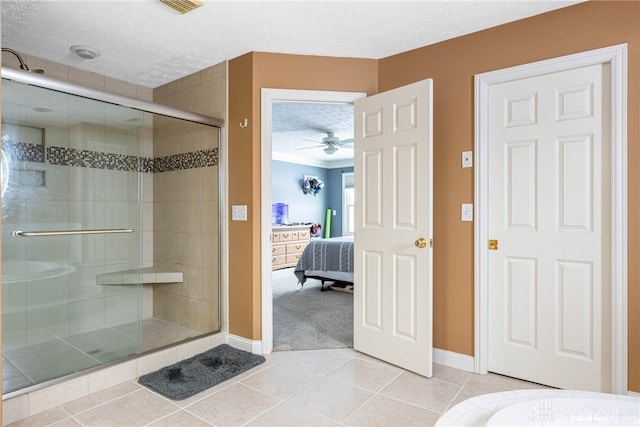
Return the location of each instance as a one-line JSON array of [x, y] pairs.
[[305, 388]]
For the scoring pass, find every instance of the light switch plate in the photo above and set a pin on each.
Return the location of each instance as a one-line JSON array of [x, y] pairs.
[[467, 212], [467, 159], [239, 212]]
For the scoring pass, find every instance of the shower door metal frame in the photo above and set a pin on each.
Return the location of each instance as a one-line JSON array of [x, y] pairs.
[[111, 98]]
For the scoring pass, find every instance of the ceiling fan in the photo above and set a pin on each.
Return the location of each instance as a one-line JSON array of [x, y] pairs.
[[331, 143]]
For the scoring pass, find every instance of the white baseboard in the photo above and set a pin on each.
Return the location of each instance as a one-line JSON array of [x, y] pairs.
[[245, 344], [633, 393], [453, 360], [441, 357], [219, 338]]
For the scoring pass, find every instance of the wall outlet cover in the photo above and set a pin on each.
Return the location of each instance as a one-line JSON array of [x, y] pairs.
[[239, 212], [467, 212], [467, 159]]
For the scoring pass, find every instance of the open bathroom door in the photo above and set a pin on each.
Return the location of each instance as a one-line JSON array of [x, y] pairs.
[[393, 227]]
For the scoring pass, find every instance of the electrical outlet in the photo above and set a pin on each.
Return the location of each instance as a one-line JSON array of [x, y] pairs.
[[467, 212], [239, 212], [467, 159]]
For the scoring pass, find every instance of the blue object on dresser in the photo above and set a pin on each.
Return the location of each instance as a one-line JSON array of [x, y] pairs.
[[279, 213]]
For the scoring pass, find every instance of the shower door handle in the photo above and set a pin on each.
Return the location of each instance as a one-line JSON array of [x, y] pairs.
[[19, 233]]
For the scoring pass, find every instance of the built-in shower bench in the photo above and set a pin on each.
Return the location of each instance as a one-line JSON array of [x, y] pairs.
[[148, 275]]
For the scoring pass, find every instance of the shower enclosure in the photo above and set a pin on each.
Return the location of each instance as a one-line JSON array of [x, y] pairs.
[[109, 228]]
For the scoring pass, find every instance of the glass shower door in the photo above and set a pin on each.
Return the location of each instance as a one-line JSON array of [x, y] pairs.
[[71, 223]]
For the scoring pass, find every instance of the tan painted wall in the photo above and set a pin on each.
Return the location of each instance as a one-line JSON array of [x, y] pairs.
[[247, 75], [452, 65], [244, 185]]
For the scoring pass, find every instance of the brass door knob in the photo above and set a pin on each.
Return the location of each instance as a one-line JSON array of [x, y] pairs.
[[421, 243]]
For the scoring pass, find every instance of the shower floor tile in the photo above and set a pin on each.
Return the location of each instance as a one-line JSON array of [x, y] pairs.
[[159, 333], [105, 345], [27, 366]]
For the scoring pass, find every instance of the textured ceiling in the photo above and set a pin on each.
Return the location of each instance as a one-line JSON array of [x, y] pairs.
[[298, 129], [149, 44]]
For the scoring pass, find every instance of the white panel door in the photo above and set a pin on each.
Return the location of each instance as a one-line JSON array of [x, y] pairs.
[[393, 226], [549, 204]]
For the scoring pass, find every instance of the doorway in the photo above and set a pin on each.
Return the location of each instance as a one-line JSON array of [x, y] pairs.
[[269, 97], [615, 60]]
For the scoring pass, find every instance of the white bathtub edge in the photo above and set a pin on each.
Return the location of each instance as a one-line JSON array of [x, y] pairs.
[[479, 409]]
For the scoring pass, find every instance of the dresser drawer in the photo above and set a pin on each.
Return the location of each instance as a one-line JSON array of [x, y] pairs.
[[285, 236], [278, 250], [278, 260], [303, 235], [293, 258], [295, 248]]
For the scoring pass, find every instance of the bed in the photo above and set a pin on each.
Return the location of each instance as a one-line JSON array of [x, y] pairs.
[[326, 260]]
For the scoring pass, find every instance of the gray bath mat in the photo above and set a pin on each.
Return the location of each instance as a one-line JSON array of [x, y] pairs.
[[200, 372]]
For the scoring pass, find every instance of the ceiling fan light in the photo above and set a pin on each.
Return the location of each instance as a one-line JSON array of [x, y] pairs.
[[330, 149]]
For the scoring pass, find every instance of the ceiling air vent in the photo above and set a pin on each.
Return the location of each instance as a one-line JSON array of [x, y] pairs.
[[182, 6]]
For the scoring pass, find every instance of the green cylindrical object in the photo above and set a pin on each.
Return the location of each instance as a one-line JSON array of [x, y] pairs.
[[327, 225]]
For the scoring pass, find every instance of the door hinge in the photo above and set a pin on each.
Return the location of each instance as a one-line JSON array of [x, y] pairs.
[[493, 245]]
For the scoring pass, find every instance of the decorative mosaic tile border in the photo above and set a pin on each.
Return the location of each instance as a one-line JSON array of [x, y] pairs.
[[196, 159], [23, 151], [93, 159]]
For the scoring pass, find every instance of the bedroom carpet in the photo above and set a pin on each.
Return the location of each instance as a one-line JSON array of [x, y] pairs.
[[307, 318]]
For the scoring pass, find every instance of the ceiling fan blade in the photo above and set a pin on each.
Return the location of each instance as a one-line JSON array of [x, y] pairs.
[[345, 142], [317, 128], [307, 148], [312, 140]]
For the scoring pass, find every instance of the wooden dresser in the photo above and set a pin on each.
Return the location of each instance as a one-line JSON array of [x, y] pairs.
[[287, 243]]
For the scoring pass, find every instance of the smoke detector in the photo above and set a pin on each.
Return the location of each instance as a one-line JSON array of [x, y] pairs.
[[85, 52]]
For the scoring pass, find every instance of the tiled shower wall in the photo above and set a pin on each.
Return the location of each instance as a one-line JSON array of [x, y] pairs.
[[181, 195], [108, 84], [81, 179], [186, 202]]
